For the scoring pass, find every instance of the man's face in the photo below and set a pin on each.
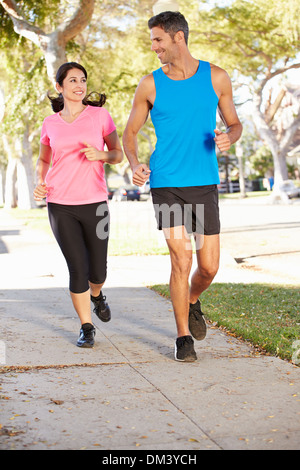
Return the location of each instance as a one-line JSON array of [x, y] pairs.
[[163, 45]]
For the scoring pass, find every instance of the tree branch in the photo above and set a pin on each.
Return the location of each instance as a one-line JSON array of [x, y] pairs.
[[274, 74], [81, 18], [289, 134], [53, 44], [273, 107], [21, 25]]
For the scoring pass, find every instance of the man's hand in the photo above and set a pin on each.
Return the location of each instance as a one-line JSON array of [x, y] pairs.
[[222, 140], [140, 174]]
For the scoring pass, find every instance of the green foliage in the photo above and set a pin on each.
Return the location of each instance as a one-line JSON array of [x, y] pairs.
[[252, 36], [8, 36], [45, 15], [24, 94], [265, 315], [261, 161]]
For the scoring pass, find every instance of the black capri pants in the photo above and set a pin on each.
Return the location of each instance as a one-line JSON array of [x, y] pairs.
[[82, 232]]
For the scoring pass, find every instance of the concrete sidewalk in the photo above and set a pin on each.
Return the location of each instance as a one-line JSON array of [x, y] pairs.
[[127, 393]]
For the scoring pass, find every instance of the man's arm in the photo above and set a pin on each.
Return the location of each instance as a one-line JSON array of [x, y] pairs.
[[227, 111], [138, 117]]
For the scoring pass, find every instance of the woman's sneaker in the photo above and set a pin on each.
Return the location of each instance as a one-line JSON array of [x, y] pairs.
[[184, 349], [197, 324], [101, 307], [87, 336]]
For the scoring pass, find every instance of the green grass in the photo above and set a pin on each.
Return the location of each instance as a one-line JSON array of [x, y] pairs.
[[134, 245], [32, 218], [265, 315], [250, 194]]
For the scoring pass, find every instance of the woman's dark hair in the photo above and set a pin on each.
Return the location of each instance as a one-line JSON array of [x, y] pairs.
[[57, 103], [171, 22]]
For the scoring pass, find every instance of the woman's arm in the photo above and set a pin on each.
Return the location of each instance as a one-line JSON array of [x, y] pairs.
[[113, 155], [42, 168]]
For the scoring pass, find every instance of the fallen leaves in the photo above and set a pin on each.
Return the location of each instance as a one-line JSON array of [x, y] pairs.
[[3, 397], [57, 402], [5, 431]]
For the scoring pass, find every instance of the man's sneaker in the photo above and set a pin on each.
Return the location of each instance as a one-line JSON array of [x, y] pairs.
[[197, 324], [101, 307], [184, 349], [87, 336]]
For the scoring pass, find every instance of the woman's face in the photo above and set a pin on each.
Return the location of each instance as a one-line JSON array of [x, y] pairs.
[[74, 86]]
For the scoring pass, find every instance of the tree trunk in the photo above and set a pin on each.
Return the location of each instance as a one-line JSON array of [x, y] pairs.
[[55, 55], [280, 168], [239, 154], [1, 188], [268, 136], [10, 196], [25, 174]]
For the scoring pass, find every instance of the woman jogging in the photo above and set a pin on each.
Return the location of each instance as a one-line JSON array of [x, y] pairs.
[[73, 140]]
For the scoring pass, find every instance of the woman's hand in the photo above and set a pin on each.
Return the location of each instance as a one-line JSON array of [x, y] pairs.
[[92, 154], [114, 154], [40, 192]]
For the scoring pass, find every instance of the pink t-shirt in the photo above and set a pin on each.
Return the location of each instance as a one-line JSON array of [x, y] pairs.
[[73, 179]]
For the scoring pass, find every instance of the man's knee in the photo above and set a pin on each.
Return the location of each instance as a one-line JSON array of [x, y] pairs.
[[210, 271], [181, 265]]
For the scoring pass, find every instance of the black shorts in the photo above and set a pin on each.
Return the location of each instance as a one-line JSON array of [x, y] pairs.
[[195, 207]]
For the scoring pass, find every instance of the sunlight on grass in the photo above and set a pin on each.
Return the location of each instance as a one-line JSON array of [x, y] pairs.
[[265, 315]]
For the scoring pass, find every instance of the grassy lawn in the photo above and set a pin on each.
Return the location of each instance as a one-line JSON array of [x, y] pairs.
[[265, 315], [250, 194], [33, 218]]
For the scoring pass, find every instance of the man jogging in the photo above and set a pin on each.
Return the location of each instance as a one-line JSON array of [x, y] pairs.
[[183, 97]]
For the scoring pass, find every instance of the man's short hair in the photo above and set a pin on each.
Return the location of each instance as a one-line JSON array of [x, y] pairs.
[[171, 22]]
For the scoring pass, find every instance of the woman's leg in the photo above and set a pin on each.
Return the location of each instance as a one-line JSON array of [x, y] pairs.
[[82, 306], [96, 234], [69, 235], [95, 226]]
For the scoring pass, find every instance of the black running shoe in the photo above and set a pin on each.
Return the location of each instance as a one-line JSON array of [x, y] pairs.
[[101, 307], [87, 336], [184, 349], [197, 324]]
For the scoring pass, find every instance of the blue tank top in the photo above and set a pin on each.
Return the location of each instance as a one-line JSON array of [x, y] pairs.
[[184, 118]]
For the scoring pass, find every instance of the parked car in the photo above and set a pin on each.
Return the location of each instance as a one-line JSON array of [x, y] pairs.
[[110, 193], [127, 193], [290, 189], [146, 188]]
